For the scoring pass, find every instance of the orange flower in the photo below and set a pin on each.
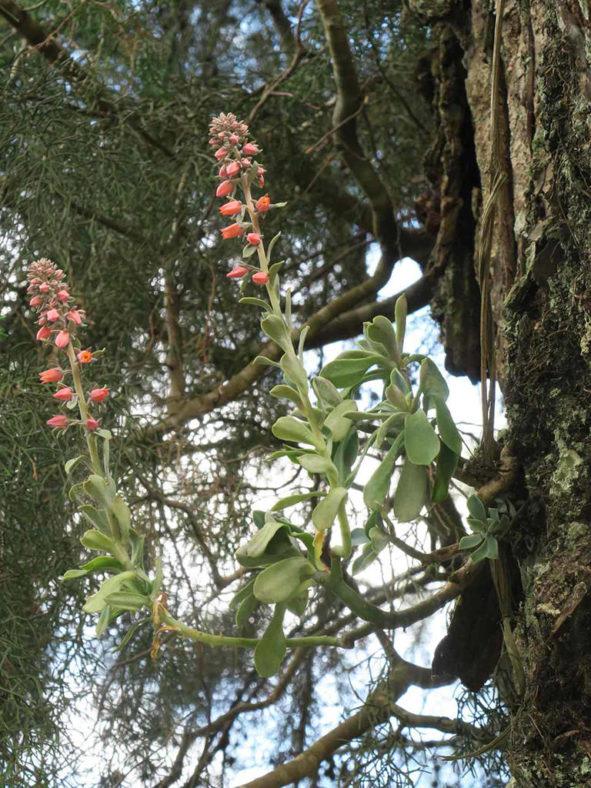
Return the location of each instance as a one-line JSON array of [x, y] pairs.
[[85, 357], [51, 375], [233, 231], [231, 208], [263, 204]]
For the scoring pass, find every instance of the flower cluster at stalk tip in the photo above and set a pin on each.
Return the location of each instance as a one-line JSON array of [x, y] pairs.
[[239, 169], [59, 320]]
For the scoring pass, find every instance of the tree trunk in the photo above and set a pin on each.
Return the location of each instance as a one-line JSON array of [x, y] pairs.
[[541, 304]]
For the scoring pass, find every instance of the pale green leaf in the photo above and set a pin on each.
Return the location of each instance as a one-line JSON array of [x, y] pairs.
[[411, 492], [281, 580], [270, 650], [420, 441], [325, 512]]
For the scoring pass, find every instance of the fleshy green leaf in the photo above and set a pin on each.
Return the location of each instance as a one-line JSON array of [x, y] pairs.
[[101, 489], [121, 511], [245, 610], [280, 581], [298, 604], [432, 381], [400, 311], [476, 508], [346, 455], [252, 301], [477, 526], [271, 543], [488, 549], [359, 537], [73, 574], [294, 371], [97, 517], [96, 602], [397, 398], [288, 428], [468, 542], [302, 341], [326, 391], [282, 391], [73, 462], [314, 463], [392, 425], [337, 422], [347, 372], [448, 432], [127, 600], [381, 330], [101, 563], [446, 465], [103, 621], [376, 489], [275, 328], [291, 500], [370, 552], [242, 594], [272, 243], [420, 441], [95, 540], [411, 492], [325, 512], [270, 650], [248, 251]]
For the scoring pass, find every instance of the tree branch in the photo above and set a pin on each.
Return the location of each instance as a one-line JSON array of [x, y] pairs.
[[248, 375], [348, 104], [377, 709]]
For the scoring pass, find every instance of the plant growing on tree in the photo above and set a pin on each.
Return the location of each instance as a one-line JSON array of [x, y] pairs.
[[326, 434]]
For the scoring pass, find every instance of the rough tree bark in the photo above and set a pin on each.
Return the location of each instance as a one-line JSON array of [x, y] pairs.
[[541, 303]]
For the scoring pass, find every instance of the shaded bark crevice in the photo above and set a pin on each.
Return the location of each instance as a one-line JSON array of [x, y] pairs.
[[452, 170]]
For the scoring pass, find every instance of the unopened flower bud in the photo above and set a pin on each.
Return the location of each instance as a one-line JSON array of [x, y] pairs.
[[253, 238], [44, 287], [234, 139], [75, 315], [220, 153], [43, 333], [64, 394], [62, 339], [250, 149], [232, 169], [224, 189], [237, 272], [63, 295], [60, 421], [36, 301], [98, 395], [91, 424], [52, 315], [231, 208], [260, 278]]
